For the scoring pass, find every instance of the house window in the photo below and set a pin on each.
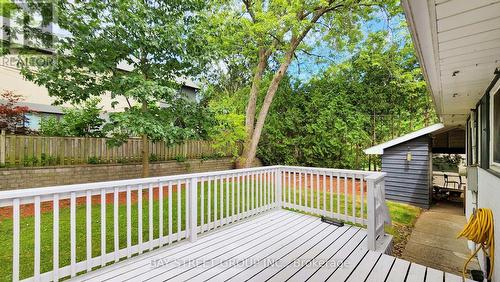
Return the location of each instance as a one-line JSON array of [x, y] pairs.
[[473, 138], [479, 133], [495, 131]]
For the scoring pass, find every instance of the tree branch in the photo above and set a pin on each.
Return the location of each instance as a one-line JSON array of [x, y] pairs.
[[248, 6]]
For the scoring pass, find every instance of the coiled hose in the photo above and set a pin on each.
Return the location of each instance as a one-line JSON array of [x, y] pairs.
[[480, 230]]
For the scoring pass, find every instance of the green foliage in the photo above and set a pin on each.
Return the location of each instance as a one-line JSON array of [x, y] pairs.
[[228, 129], [82, 120], [376, 95], [214, 156], [175, 123], [446, 162], [159, 42], [48, 160], [94, 160], [180, 158], [313, 125], [30, 161], [154, 158]]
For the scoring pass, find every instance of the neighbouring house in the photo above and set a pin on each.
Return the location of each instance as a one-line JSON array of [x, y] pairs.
[[407, 160], [458, 46], [38, 100]]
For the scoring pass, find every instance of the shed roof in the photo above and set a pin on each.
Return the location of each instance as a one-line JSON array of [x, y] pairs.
[[379, 149]]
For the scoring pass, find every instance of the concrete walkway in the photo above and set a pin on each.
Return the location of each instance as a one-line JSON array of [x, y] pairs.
[[433, 241]]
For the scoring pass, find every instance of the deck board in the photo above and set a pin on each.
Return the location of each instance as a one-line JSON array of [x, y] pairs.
[[275, 246], [222, 273], [381, 269]]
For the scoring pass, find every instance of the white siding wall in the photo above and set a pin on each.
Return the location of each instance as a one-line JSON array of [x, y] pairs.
[[488, 196], [11, 79]]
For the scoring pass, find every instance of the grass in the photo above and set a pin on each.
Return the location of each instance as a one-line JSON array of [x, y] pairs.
[[402, 215], [403, 220]]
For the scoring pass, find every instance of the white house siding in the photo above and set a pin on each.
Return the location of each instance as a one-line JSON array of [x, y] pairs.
[[488, 196], [11, 79]]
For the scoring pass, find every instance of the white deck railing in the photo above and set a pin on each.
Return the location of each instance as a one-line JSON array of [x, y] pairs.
[[130, 217]]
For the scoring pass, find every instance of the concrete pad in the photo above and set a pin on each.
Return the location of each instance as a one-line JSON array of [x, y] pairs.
[[433, 241]]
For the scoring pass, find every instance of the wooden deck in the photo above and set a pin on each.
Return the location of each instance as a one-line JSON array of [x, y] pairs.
[[276, 246]]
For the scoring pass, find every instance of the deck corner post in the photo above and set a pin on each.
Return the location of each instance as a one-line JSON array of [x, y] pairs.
[[193, 209], [279, 187], [3, 150], [371, 226]]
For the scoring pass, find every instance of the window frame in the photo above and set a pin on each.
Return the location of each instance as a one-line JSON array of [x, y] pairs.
[[493, 165]]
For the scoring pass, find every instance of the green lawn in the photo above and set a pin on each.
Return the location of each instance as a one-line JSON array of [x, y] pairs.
[[401, 214]]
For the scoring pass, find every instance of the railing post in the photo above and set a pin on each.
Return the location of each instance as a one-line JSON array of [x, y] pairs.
[[2, 147], [193, 209], [372, 222], [279, 188]]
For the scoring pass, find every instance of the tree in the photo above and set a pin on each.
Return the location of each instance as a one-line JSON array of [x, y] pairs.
[[159, 40], [80, 120], [328, 120], [13, 116], [270, 33]]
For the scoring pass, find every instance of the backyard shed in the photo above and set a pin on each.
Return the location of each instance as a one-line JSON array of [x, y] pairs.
[[407, 160]]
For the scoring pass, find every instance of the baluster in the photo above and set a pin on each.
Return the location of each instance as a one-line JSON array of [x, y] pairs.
[[353, 198], [16, 215], [324, 193], [238, 196], [36, 266], [260, 191], [215, 201], [266, 189], [73, 233], [170, 203], [306, 176], [248, 193], [362, 192], [55, 238], [150, 215], [179, 210], [209, 203], [187, 189], [232, 198], [202, 209], [346, 196], [331, 194], [139, 217], [221, 190], [115, 224], [300, 190], [294, 190], [227, 200], [338, 194], [192, 195], [129, 222], [289, 188], [318, 207], [160, 214], [103, 228], [88, 218]]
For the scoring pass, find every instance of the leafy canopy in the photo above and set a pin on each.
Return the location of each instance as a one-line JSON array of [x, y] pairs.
[[135, 51]]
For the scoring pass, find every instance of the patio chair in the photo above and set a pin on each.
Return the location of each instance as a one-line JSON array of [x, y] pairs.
[[456, 184]]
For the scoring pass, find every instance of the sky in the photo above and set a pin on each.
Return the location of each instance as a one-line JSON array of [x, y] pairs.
[[307, 66]]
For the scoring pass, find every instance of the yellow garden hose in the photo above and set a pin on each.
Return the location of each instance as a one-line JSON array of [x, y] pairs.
[[480, 230]]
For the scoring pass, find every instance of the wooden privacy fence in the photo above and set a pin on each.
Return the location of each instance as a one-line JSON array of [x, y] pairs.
[[24, 150]]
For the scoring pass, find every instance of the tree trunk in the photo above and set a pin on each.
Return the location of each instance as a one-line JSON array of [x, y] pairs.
[[271, 91], [252, 105], [145, 148]]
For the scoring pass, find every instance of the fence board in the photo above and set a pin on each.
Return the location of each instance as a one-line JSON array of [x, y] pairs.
[[26, 150]]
